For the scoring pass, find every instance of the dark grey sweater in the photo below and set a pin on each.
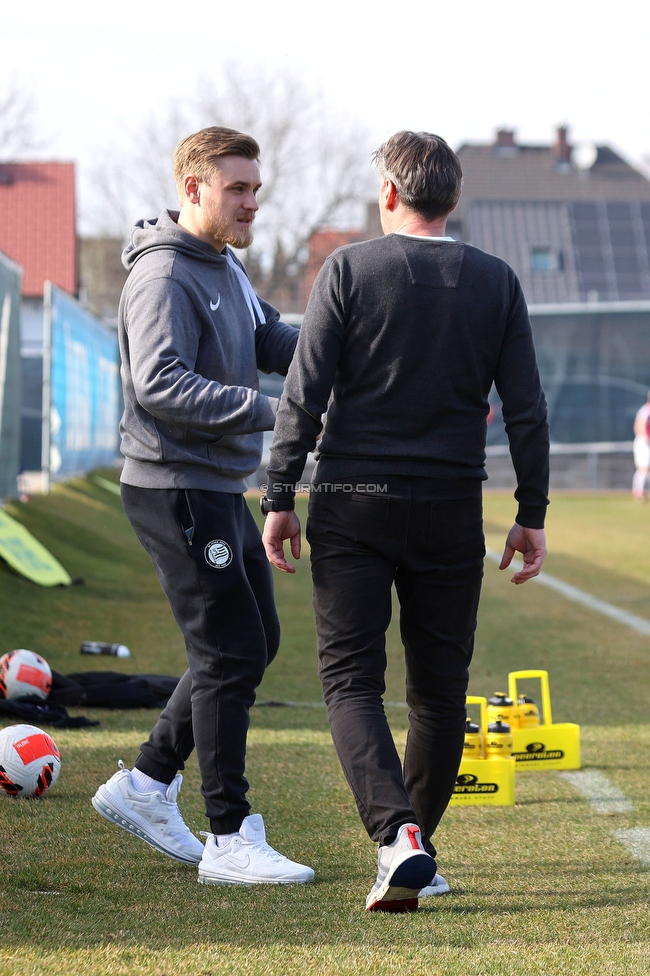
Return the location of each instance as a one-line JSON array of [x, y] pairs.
[[407, 335]]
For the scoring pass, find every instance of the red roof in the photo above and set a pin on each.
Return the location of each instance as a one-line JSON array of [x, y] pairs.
[[321, 245], [323, 242], [37, 223]]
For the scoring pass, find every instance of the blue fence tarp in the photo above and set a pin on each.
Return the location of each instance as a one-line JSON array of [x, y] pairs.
[[10, 375], [84, 391]]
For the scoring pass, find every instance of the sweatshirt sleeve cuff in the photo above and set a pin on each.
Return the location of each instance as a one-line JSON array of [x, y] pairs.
[[278, 486], [265, 411], [531, 517]]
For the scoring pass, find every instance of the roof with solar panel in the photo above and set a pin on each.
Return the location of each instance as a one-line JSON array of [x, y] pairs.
[[572, 220]]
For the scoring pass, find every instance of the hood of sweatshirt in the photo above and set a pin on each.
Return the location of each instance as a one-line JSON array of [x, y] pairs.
[[163, 234]]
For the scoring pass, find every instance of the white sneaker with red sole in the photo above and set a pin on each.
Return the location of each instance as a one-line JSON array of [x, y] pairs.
[[403, 869]]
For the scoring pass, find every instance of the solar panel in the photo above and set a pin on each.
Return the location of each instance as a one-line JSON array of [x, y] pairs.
[[612, 246]]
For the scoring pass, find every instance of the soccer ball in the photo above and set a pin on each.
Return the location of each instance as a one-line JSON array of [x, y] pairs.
[[24, 673], [30, 762]]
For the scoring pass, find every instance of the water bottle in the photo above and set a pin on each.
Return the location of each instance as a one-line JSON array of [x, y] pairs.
[[500, 708], [528, 713], [99, 647], [472, 747], [498, 744]]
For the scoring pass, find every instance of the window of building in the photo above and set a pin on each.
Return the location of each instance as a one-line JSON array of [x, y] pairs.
[[545, 259]]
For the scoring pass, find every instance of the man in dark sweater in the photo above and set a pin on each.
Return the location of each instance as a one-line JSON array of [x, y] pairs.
[[400, 344]]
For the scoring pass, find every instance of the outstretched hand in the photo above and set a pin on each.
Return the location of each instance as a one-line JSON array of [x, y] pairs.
[[531, 543], [278, 527]]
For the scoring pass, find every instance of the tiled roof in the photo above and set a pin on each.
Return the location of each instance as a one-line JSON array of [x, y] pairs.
[[37, 223], [532, 173], [510, 228], [590, 229]]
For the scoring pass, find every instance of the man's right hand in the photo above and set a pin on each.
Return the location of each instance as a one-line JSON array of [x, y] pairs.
[[278, 527]]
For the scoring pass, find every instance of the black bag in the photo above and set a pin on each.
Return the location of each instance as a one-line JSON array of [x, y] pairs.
[[110, 689]]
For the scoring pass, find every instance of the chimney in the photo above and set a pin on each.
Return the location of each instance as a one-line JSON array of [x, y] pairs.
[[561, 148], [505, 139]]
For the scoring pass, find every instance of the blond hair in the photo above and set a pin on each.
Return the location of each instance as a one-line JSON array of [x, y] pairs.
[[198, 155]]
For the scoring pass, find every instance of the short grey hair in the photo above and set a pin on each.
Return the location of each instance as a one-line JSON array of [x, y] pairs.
[[426, 173]]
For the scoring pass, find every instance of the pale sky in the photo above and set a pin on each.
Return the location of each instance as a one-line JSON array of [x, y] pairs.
[[460, 69]]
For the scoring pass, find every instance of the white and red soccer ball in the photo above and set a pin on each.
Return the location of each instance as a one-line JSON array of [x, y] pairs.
[[30, 761], [24, 673]]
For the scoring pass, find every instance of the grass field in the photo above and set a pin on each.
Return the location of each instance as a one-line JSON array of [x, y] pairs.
[[543, 887]]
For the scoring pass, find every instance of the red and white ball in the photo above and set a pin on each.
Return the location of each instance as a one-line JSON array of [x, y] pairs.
[[24, 673], [30, 761]]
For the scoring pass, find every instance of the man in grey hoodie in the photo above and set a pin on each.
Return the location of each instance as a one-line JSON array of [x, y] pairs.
[[193, 335]]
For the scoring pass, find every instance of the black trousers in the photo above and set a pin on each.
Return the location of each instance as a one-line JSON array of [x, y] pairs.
[[207, 552], [426, 537]]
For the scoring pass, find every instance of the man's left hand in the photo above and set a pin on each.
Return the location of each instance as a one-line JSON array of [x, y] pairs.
[[278, 527], [531, 543]]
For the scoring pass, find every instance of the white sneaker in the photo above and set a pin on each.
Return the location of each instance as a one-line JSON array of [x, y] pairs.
[[403, 869], [247, 859], [437, 887], [153, 817]]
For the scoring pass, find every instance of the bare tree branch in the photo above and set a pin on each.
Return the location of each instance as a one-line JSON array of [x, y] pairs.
[[315, 165], [19, 130]]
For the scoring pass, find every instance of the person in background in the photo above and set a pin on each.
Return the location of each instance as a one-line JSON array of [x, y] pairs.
[[641, 450]]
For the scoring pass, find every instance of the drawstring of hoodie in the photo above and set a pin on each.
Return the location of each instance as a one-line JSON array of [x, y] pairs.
[[247, 290]]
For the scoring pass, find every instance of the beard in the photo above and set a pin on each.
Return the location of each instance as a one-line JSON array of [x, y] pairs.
[[223, 231], [240, 240]]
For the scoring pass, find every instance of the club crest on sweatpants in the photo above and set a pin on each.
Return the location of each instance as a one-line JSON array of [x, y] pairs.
[[218, 554]]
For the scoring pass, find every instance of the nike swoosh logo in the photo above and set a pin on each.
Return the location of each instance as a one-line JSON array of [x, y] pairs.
[[239, 860], [215, 305]]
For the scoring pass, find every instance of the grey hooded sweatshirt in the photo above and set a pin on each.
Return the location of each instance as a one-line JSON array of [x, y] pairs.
[[192, 337]]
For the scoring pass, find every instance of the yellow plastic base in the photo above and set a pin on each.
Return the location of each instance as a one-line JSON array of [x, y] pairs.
[[547, 747], [485, 781]]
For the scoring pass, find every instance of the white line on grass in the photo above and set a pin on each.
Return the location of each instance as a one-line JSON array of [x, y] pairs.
[[603, 795], [637, 841], [639, 624]]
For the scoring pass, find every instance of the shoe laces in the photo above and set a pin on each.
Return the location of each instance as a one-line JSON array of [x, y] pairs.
[[258, 846], [261, 847]]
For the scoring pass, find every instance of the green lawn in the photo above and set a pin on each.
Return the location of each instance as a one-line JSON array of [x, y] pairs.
[[540, 888]]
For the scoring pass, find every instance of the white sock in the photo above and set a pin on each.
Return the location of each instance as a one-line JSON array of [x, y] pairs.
[[223, 840], [145, 784]]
